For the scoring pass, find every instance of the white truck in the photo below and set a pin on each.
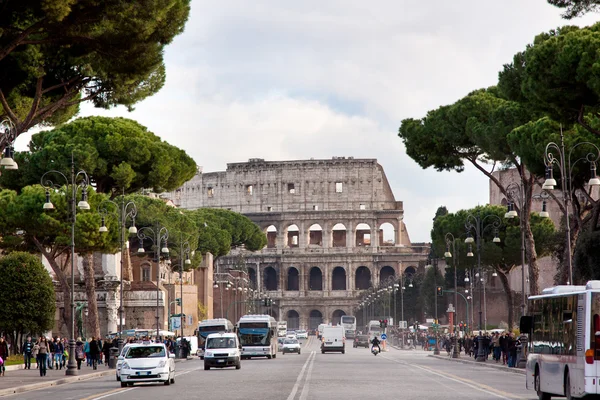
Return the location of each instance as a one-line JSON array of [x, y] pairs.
[[334, 339], [281, 328]]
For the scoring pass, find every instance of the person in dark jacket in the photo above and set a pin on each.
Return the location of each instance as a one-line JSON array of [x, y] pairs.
[[27, 351], [3, 354], [94, 352], [106, 350], [79, 352]]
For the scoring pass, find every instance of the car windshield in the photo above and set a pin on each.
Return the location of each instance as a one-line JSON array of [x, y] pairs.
[[220, 343], [146, 352], [291, 341]]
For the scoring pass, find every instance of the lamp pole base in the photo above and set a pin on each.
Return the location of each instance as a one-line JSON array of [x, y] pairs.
[[455, 352], [481, 353], [72, 363]]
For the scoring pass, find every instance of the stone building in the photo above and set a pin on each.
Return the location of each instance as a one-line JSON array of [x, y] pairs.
[[334, 228]]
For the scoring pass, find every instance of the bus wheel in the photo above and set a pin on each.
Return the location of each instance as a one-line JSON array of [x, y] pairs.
[[568, 387], [274, 355], [537, 383]]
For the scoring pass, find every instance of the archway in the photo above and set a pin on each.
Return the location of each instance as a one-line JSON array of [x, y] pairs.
[[339, 235], [363, 278], [385, 273], [293, 282], [271, 236], [338, 279], [315, 280], [270, 278], [387, 234], [315, 319], [410, 271], [336, 317], [252, 277], [293, 320], [315, 235], [293, 236], [363, 235]]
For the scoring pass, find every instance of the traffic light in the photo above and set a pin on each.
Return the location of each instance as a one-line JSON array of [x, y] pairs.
[[439, 291], [385, 323], [178, 301], [268, 302], [381, 323]]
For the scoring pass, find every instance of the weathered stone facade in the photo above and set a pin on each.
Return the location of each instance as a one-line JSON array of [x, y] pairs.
[[333, 228]]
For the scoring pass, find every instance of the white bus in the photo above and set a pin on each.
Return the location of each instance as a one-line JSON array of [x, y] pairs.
[[208, 326], [349, 324], [374, 329], [258, 335], [564, 341], [281, 328]]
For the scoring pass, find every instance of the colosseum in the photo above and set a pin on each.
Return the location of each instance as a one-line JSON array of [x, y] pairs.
[[333, 229]]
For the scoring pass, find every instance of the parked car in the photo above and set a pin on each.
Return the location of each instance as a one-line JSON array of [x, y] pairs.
[[361, 341], [291, 346], [148, 363]]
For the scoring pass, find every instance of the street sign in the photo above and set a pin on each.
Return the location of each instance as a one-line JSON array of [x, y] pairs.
[[403, 325], [383, 336]]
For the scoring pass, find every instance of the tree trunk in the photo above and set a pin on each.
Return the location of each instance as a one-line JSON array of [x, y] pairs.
[[509, 298], [90, 291], [531, 256], [128, 269]]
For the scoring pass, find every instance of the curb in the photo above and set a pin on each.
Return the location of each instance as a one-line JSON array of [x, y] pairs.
[[42, 385], [482, 364]]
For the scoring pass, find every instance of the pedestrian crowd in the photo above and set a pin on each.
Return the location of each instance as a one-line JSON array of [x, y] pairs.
[[502, 347]]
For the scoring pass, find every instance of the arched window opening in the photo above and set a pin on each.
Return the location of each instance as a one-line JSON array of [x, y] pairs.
[[336, 317], [410, 271], [385, 273], [315, 281], [315, 319], [339, 235], [387, 235], [293, 236], [293, 320], [363, 235], [293, 282], [271, 236], [363, 278], [270, 278], [315, 235], [338, 279]]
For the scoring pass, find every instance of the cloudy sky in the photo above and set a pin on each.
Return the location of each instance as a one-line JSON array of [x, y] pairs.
[[282, 79]]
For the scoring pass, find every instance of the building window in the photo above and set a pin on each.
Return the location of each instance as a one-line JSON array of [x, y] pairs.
[[338, 187], [362, 207], [269, 208], [291, 188], [146, 274], [210, 192], [315, 208], [249, 190]]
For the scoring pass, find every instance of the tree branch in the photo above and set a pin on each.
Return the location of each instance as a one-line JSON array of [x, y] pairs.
[[581, 121], [36, 101], [19, 39]]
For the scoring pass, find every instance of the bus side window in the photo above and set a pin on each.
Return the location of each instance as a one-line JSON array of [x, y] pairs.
[[596, 334]]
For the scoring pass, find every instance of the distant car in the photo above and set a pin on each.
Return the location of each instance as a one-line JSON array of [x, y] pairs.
[[361, 341], [302, 334], [291, 346], [280, 343], [148, 363], [291, 336]]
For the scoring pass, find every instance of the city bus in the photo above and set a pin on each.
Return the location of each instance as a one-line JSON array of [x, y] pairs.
[[281, 328], [208, 326], [349, 324], [258, 336], [563, 357], [373, 329]]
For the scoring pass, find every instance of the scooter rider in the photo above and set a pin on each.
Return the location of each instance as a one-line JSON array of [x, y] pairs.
[[375, 343]]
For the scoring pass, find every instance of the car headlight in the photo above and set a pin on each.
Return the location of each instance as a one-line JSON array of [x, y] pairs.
[[125, 366], [162, 364], [208, 354]]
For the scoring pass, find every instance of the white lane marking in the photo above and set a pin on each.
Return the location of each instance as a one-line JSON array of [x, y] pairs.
[[304, 393], [297, 384], [441, 375], [113, 393]]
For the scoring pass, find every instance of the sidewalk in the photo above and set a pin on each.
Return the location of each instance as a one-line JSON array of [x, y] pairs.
[[18, 380], [487, 364]]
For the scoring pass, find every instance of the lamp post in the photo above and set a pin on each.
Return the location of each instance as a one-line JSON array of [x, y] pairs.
[[184, 252], [83, 205], [124, 211], [8, 134], [565, 167], [451, 241], [477, 223], [157, 236]]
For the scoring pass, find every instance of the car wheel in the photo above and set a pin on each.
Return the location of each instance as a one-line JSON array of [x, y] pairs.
[[173, 379], [206, 367], [167, 382], [238, 365], [201, 357], [298, 352], [269, 357], [118, 378], [123, 384]]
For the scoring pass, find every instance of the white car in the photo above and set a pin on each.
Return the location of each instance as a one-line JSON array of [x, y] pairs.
[[291, 346], [147, 363], [121, 359], [302, 334]]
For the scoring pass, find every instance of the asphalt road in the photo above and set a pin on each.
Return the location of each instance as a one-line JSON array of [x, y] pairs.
[[355, 375]]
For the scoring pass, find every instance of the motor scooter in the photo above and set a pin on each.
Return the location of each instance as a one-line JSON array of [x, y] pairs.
[[375, 350]]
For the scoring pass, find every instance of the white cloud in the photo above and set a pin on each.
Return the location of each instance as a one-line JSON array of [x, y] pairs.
[[292, 80]]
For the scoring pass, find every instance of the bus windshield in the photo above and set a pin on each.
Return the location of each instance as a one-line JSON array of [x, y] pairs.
[[255, 334], [347, 320], [204, 331]]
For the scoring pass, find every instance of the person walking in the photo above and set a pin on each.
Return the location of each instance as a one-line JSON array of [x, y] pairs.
[[43, 352], [27, 350], [79, 352], [496, 349], [3, 354], [106, 350], [50, 357], [58, 351], [86, 349], [35, 353], [94, 352]]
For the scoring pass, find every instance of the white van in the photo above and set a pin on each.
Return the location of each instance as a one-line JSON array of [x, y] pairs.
[[334, 339], [320, 330], [222, 350]]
